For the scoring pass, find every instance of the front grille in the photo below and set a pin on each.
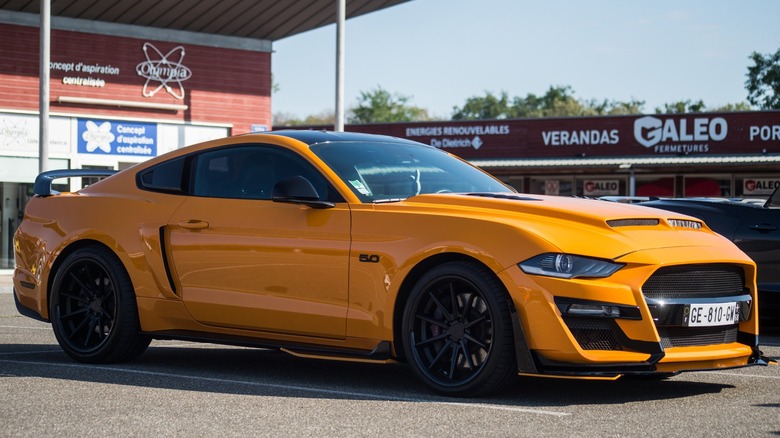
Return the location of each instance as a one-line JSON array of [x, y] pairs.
[[695, 281], [592, 334], [697, 336]]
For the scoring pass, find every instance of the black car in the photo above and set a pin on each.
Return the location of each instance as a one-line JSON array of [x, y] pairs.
[[753, 226]]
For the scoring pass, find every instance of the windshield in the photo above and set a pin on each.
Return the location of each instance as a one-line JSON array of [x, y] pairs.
[[385, 172], [774, 200]]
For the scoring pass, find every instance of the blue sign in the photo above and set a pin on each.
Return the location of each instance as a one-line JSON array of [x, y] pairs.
[[112, 137]]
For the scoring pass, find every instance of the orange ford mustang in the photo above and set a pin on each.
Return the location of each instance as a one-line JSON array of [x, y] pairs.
[[358, 247]]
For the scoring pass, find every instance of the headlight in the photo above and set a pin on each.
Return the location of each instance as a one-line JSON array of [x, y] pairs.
[[569, 266]]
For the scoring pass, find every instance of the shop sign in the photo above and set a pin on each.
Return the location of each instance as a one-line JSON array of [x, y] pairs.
[[679, 135], [19, 135], [83, 74], [458, 136], [760, 186], [107, 137], [601, 187], [163, 71]]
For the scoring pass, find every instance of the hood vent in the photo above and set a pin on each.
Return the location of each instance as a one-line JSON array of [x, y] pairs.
[[685, 223], [633, 223]]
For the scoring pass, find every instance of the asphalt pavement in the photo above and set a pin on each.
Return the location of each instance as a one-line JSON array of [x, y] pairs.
[[187, 389]]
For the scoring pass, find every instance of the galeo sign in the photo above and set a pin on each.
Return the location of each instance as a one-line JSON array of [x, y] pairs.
[[679, 135], [166, 69]]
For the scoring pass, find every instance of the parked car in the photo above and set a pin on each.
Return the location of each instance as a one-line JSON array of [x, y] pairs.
[[371, 248], [754, 226]]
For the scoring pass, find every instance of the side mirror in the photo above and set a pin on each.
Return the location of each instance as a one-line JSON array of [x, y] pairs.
[[298, 190]]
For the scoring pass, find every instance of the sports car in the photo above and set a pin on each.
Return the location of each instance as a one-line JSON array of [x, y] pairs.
[[358, 247], [753, 226]]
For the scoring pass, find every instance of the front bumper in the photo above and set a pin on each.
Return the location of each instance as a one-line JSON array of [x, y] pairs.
[[643, 327]]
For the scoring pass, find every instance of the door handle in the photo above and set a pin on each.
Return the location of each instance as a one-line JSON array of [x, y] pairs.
[[194, 224], [764, 227]]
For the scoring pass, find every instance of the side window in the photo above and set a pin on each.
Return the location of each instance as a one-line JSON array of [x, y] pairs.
[[164, 177], [250, 172]]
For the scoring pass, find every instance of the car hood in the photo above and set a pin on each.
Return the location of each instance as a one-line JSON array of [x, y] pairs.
[[579, 226]]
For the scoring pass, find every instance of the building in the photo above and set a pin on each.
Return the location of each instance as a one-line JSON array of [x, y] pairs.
[[706, 154], [132, 80]]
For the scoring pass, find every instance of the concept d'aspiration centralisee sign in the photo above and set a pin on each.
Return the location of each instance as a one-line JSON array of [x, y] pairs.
[[111, 137]]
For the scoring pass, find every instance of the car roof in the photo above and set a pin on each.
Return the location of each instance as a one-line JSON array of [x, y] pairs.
[[311, 137]]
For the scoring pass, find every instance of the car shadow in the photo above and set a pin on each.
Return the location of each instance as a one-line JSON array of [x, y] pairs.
[[261, 372]]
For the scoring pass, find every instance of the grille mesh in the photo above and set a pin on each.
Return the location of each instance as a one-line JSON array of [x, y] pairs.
[[592, 334], [697, 336], [695, 281]]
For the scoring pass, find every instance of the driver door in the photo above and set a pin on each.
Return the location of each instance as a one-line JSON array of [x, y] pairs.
[[243, 261]]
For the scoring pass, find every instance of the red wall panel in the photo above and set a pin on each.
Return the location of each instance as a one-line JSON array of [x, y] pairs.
[[227, 86]]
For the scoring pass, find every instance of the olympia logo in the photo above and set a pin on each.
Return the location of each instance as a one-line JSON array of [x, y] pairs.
[[166, 69]]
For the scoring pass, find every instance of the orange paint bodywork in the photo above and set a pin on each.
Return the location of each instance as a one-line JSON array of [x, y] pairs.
[[285, 274]]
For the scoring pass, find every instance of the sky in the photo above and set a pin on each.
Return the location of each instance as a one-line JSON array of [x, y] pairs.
[[438, 53]]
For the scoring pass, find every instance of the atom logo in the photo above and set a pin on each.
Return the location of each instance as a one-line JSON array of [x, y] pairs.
[[163, 69], [98, 137]]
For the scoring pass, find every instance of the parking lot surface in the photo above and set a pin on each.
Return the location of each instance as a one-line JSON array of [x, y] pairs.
[[180, 388]]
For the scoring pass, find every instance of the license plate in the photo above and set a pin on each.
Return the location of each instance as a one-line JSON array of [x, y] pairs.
[[706, 315]]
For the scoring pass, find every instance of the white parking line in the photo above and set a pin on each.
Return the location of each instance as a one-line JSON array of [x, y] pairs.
[[26, 328], [723, 373], [332, 392], [58, 350]]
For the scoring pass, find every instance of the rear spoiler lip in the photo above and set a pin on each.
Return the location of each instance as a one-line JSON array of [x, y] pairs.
[[44, 180]]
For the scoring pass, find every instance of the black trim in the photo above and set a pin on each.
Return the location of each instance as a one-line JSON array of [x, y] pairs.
[[649, 347], [44, 180], [525, 361], [747, 339], [626, 312], [164, 253], [381, 351], [26, 311]]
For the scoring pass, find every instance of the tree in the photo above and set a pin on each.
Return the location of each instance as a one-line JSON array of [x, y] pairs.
[[380, 106], [682, 106], [488, 107], [731, 108], [557, 101], [289, 119], [763, 83]]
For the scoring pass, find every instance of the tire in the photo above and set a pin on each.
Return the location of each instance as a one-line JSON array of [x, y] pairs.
[[457, 331], [93, 309]]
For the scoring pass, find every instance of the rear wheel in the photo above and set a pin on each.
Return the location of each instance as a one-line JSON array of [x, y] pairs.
[[458, 332], [93, 309]]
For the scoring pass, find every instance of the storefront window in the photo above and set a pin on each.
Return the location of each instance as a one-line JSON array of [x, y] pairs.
[[755, 186], [551, 186], [707, 186], [655, 186], [595, 186]]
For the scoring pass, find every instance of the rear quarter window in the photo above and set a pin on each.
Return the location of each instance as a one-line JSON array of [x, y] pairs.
[[165, 177]]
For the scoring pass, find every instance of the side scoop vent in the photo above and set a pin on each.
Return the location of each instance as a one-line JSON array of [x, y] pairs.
[[633, 223]]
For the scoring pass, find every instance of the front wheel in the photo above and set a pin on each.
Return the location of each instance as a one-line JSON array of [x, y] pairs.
[[93, 309], [458, 332]]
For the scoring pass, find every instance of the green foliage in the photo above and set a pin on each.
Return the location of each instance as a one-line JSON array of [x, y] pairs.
[[287, 119], [731, 108], [682, 106], [557, 101], [763, 83], [380, 106]]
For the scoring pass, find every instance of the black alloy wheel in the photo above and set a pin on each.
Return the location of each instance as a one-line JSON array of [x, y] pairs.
[[93, 310], [457, 330]]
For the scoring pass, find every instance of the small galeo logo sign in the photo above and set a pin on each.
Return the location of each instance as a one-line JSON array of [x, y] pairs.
[[163, 71]]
